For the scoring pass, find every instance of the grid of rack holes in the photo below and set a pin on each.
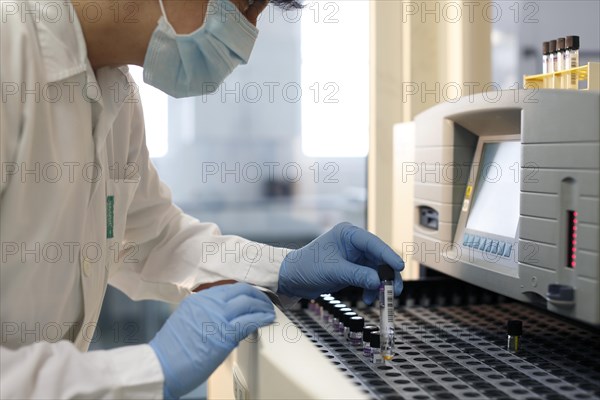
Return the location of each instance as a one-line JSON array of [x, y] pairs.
[[459, 353]]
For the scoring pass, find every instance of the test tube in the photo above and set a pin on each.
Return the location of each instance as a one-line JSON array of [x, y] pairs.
[[572, 51], [367, 331], [565, 78], [545, 54], [514, 330], [355, 336], [560, 61], [323, 308], [560, 50], [552, 67], [329, 306], [342, 319], [546, 63], [336, 315], [346, 319], [386, 311], [375, 348], [316, 305], [553, 64]]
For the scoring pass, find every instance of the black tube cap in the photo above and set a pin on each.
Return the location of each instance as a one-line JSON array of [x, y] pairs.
[[337, 308], [553, 46], [572, 42], [560, 44], [342, 311], [386, 273], [346, 317], [375, 339], [367, 332], [546, 48], [514, 328], [329, 306], [356, 324]]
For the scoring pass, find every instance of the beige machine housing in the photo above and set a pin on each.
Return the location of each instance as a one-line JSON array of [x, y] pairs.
[[558, 173]]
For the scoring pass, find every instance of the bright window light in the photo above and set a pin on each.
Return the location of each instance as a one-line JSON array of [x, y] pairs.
[[335, 78], [156, 114]]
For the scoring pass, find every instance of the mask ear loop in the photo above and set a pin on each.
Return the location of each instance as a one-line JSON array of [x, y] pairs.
[[164, 14]]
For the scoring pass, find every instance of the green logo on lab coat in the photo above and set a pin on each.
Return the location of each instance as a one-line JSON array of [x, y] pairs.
[[110, 216]]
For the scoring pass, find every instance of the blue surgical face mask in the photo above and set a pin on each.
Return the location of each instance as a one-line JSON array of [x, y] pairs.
[[197, 63]]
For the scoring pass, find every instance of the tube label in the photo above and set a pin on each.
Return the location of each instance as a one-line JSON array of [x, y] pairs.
[[386, 308]]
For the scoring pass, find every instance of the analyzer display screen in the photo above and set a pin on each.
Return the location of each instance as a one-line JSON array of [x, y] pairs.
[[495, 201]]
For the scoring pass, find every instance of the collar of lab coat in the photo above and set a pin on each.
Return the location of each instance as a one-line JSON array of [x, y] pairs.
[[63, 45], [64, 51]]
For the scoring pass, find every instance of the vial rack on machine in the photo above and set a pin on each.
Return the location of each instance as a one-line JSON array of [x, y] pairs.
[[459, 352]]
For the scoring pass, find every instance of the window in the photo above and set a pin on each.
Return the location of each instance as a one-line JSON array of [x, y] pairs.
[[156, 113], [335, 78]]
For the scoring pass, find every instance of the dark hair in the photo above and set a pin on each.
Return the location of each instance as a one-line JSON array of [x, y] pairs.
[[287, 4]]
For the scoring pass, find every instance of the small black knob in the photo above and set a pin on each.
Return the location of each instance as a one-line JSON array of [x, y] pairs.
[[514, 328]]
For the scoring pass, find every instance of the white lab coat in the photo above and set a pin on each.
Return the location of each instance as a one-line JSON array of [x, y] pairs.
[[83, 207]]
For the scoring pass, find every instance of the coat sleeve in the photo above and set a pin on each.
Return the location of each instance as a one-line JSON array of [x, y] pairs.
[[175, 253], [60, 371]]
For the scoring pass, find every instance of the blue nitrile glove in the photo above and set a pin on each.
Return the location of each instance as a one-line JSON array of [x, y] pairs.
[[345, 256], [204, 329]]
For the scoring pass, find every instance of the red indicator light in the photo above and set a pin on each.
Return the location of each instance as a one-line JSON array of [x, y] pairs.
[[572, 232]]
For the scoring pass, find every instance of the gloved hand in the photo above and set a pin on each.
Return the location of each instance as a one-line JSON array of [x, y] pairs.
[[344, 256], [204, 329]]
